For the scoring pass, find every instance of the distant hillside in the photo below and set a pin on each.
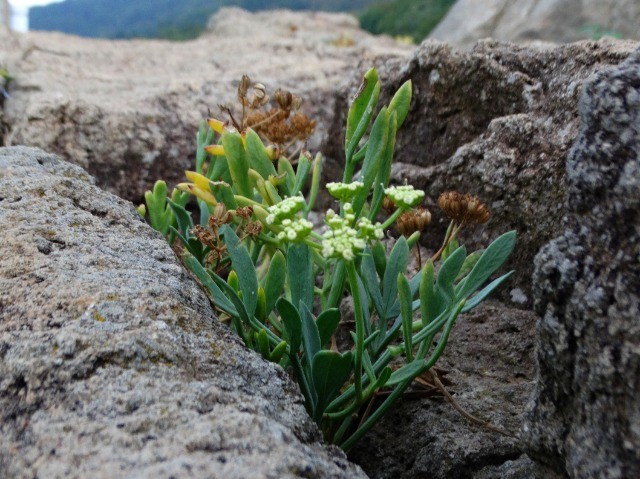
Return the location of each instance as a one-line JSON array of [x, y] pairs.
[[415, 18], [169, 19]]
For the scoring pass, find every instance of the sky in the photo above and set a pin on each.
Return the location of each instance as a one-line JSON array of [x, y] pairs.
[[20, 19]]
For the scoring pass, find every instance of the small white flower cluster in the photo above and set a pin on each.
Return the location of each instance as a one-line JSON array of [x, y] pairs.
[[287, 208], [370, 231], [343, 241], [404, 196], [345, 191], [295, 230]]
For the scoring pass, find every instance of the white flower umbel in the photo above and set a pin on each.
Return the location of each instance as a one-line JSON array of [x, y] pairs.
[[368, 230], [342, 243], [296, 230], [404, 197], [287, 208], [345, 191]]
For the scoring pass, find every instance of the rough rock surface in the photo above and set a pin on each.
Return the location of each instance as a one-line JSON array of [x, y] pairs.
[[128, 111], [112, 363], [559, 21], [585, 417], [496, 122], [490, 362]]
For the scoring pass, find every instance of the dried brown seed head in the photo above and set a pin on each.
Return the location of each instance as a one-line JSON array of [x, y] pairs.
[[253, 229], [388, 205], [283, 98], [296, 103], [244, 212], [219, 217], [463, 209], [412, 221], [243, 88], [205, 236]]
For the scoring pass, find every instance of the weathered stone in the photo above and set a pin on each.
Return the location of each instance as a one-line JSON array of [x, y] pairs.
[[112, 363], [585, 417], [496, 122], [490, 362], [548, 20], [128, 112]]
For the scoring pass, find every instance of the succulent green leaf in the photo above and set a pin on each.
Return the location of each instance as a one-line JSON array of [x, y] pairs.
[[244, 268], [238, 162], [258, 157], [218, 168], [484, 292], [449, 271], [300, 272], [384, 169], [219, 298], [401, 101], [375, 151], [242, 316], [408, 371], [380, 258], [278, 352], [204, 138], [274, 280], [224, 194], [304, 167], [156, 201], [427, 294], [370, 279], [407, 315], [398, 260], [469, 263], [262, 343], [183, 218], [327, 323], [492, 258], [361, 111], [204, 212], [292, 324], [329, 370], [285, 168], [310, 334]]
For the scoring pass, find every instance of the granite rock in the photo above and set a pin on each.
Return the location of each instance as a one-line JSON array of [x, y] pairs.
[[112, 362], [584, 419]]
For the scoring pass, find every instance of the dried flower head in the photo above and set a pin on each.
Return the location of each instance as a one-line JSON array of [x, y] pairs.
[[259, 96], [219, 217], [253, 229], [463, 209], [411, 221], [243, 88], [244, 212], [205, 236], [388, 205]]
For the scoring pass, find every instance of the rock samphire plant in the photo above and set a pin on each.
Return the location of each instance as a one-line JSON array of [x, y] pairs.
[[280, 282]]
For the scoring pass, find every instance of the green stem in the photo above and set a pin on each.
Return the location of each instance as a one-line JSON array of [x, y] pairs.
[[337, 285], [391, 219], [360, 327]]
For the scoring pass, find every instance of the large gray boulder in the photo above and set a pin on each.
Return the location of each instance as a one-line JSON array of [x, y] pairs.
[[496, 122], [559, 21], [585, 417], [112, 362], [128, 111]]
